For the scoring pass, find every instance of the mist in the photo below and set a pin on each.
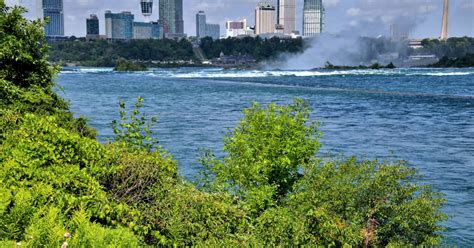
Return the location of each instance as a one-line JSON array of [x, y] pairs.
[[341, 50], [363, 43]]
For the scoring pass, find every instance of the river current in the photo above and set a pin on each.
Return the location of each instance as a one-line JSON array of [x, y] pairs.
[[424, 116]]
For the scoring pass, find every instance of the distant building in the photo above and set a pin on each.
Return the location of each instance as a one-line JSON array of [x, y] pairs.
[[147, 30], [234, 60], [279, 29], [213, 31], [286, 15], [264, 18], [119, 25], [53, 11], [200, 24], [313, 18], [173, 36], [92, 24], [204, 29], [171, 16], [399, 32], [415, 44], [236, 28], [420, 60]]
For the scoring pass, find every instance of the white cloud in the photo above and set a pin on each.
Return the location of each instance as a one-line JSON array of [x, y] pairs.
[[330, 3], [353, 12]]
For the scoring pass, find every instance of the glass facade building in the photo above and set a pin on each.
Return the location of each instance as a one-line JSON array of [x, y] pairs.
[[200, 24], [147, 30], [213, 31], [52, 10], [92, 25], [171, 16], [119, 25], [313, 18]]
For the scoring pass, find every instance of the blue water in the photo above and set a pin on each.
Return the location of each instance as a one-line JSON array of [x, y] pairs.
[[425, 116]]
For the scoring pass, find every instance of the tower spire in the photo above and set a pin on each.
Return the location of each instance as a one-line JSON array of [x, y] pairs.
[[445, 25]]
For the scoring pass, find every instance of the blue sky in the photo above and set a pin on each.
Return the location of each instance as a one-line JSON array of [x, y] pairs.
[[364, 17]]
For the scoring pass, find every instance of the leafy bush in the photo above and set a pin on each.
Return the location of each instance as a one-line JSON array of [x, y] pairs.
[[265, 153]]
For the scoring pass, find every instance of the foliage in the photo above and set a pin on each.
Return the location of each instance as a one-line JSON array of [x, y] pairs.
[[462, 62], [125, 65], [259, 48], [366, 202], [134, 130], [271, 167], [44, 164], [104, 53], [88, 234], [455, 47], [266, 151], [375, 66], [26, 78]]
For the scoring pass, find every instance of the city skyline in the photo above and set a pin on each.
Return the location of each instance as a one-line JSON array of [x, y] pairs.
[[366, 17]]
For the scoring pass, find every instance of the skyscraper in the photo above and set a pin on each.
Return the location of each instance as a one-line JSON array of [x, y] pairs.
[[171, 16], [53, 11], [119, 25], [445, 25], [92, 27], [200, 24], [286, 15], [264, 18], [313, 18], [213, 31]]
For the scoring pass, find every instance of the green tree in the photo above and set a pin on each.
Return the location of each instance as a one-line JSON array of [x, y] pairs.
[[26, 77], [266, 152]]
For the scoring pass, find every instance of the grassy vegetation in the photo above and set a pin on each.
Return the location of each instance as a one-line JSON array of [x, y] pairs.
[[59, 185], [375, 66]]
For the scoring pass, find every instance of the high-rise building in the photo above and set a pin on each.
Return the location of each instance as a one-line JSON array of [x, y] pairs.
[[171, 16], [264, 18], [213, 31], [399, 32], [200, 24], [313, 18], [445, 24], [236, 28], [286, 15], [119, 25], [92, 25], [53, 11], [147, 30]]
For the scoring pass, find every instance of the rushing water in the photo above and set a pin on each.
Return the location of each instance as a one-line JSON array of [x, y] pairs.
[[425, 116]]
